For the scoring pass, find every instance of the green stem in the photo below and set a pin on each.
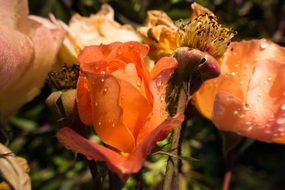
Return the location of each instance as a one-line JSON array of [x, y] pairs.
[[171, 179]]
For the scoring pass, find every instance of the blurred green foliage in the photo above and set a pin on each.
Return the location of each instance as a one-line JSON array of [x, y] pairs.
[[260, 166]]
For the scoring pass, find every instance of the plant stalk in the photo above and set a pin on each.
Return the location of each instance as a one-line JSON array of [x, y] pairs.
[[171, 179]]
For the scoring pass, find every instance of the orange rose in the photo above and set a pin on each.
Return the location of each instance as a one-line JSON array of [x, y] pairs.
[[249, 96], [124, 103]]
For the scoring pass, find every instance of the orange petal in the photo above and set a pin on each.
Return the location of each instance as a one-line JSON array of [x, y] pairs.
[[134, 52], [92, 54], [132, 97], [236, 70], [163, 64], [158, 88], [72, 140], [106, 112], [263, 115], [84, 101]]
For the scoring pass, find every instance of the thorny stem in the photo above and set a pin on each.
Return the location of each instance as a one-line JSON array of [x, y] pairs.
[[171, 178]]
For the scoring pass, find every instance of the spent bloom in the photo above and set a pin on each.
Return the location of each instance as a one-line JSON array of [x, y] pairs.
[[124, 103], [201, 31]]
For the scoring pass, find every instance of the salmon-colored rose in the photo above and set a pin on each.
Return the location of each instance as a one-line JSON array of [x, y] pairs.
[[124, 103], [249, 96], [27, 51]]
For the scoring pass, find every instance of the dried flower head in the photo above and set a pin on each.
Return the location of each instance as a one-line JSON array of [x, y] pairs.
[[203, 32]]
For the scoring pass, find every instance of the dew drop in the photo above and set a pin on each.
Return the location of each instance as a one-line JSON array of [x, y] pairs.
[[241, 82], [103, 72], [235, 112], [250, 128], [158, 82], [162, 98], [233, 74], [283, 107], [280, 121], [99, 123], [105, 90], [113, 125], [131, 46], [263, 46], [96, 68], [248, 123], [96, 104], [119, 53], [139, 84], [102, 80], [269, 79]]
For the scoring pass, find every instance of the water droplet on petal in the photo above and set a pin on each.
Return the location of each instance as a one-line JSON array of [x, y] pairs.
[[241, 82], [99, 123], [250, 128], [283, 107], [96, 104], [236, 112], [102, 80], [263, 45], [103, 72], [162, 98], [131, 46], [105, 90], [233, 74], [280, 121], [158, 82], [113, 125], [139, 84], [248, 123], [119, 53], [269, 79]]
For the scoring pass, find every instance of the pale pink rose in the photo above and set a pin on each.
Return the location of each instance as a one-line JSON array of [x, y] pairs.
[[28, 49]]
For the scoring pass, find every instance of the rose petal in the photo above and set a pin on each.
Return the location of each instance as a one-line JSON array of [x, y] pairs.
[[122, 166], [158, 88], [13, 13], [132, 97], [91, 150], [236, 70], [16, 55], [106, 112], [46, 44], [262, 117], [84, 101]]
